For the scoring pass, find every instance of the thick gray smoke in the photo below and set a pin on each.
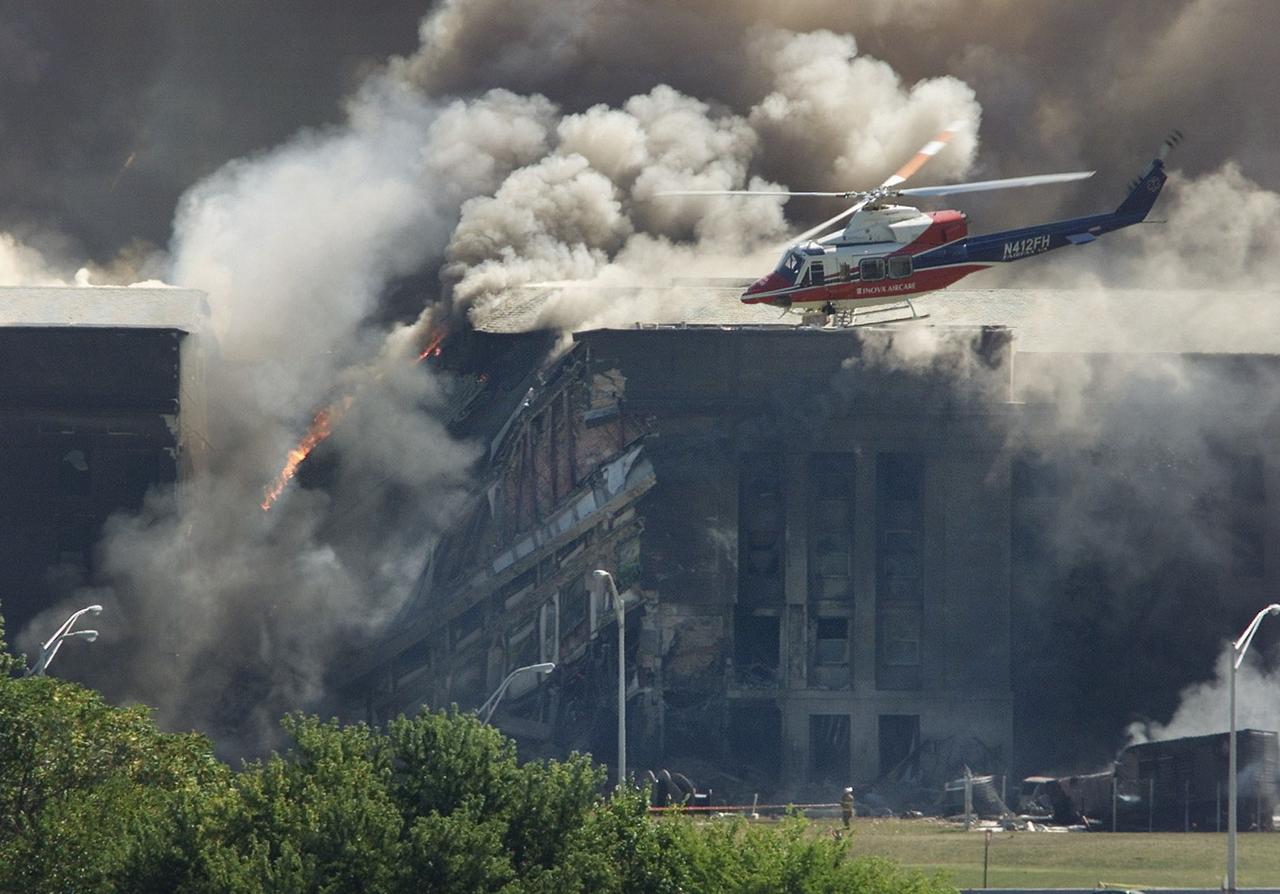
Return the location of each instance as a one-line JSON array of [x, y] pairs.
[[523, 141]]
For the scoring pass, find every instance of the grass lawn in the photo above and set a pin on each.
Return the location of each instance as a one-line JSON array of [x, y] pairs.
[[1066, 859]]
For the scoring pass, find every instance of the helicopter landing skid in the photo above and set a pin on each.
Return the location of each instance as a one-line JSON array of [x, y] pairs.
[[871, 316]]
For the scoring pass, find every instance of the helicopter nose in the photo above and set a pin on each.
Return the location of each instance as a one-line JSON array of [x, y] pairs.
[[769, 283]]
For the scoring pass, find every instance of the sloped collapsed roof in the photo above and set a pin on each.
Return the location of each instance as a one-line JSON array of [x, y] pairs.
[[1074, 321], [127, 307]]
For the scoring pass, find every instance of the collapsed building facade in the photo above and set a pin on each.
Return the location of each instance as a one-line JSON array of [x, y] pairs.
[[838, 560], [815, 549], [101, 397]]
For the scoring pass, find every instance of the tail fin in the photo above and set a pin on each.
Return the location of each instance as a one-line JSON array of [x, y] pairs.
[[1144, 191]]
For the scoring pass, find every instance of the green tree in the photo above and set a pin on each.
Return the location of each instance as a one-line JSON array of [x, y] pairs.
[[76, 776], [95, 798]]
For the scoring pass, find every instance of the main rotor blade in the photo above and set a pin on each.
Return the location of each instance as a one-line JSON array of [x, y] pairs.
[[982, 185], [927, 151], [848, 212], [753, 192]]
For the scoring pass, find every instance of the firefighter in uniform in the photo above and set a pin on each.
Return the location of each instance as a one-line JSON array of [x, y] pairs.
[[846, 806]]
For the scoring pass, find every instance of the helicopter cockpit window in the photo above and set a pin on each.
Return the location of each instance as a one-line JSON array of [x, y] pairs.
[[900, 266], [871, 269], [791, 263]]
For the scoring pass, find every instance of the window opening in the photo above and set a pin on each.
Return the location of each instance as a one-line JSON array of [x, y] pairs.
[[900, 266], [831, 646], [899, 737], [828, 747], [756, 649]]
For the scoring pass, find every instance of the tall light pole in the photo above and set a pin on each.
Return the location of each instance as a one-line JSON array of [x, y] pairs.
[[1238, 648], [50, 648], [485, 711], [605, 580]]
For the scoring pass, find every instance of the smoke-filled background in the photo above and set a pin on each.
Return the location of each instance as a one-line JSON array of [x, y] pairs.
[[342, 180]]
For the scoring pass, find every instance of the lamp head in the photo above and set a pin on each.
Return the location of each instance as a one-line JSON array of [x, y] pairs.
[[1273, 609], [97, 609]]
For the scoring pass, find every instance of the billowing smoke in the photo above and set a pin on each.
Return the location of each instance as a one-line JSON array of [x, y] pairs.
[[21, 264], [520, 142], [591, 211], [1203, 706]]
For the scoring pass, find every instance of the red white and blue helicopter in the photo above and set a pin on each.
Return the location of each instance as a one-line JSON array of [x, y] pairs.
[[888, 253]]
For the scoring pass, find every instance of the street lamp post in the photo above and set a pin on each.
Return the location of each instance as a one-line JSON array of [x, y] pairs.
[[50, 648], [485, 711], [605, 579], [1238, 648]]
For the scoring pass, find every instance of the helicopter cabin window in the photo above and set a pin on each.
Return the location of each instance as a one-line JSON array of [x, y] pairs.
[[790, 263], [871, 269], [817, 275], [900, 266]]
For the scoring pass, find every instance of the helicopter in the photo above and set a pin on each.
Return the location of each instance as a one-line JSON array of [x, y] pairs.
[[887, 253]]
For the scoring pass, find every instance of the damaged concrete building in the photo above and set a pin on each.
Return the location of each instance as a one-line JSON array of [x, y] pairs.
[[101, 397], [815, 545], [847, 561]]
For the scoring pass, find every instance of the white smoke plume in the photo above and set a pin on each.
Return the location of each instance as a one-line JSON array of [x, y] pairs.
[[24, 265], [590, 210], [1203, 707]]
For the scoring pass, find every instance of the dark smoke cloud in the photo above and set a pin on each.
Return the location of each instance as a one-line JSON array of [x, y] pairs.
[[180, 86], [187, 86]]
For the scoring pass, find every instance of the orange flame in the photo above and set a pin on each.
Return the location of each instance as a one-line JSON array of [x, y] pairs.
[[433, 348], [321, 428]]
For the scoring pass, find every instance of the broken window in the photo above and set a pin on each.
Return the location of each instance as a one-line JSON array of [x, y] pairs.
[[900, 527], [628, 562], [574, 602], [899, 737], [899, 570], [756, 648], [830, 654], [829, 748], [466, 627], [831, 526], [550, 623], [755, 735], [831, 646], [412, 660], [761, 530], [522, 648]]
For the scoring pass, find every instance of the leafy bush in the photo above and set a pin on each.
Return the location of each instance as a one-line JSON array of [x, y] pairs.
[[95, 798]]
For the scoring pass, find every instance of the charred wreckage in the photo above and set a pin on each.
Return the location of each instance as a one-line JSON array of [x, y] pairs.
[[830, 561]]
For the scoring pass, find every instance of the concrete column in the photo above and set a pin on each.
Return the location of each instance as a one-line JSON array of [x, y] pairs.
[[795, 741]]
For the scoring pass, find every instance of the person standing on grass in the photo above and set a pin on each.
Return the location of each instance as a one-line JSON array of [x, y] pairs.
[[846, 805]]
